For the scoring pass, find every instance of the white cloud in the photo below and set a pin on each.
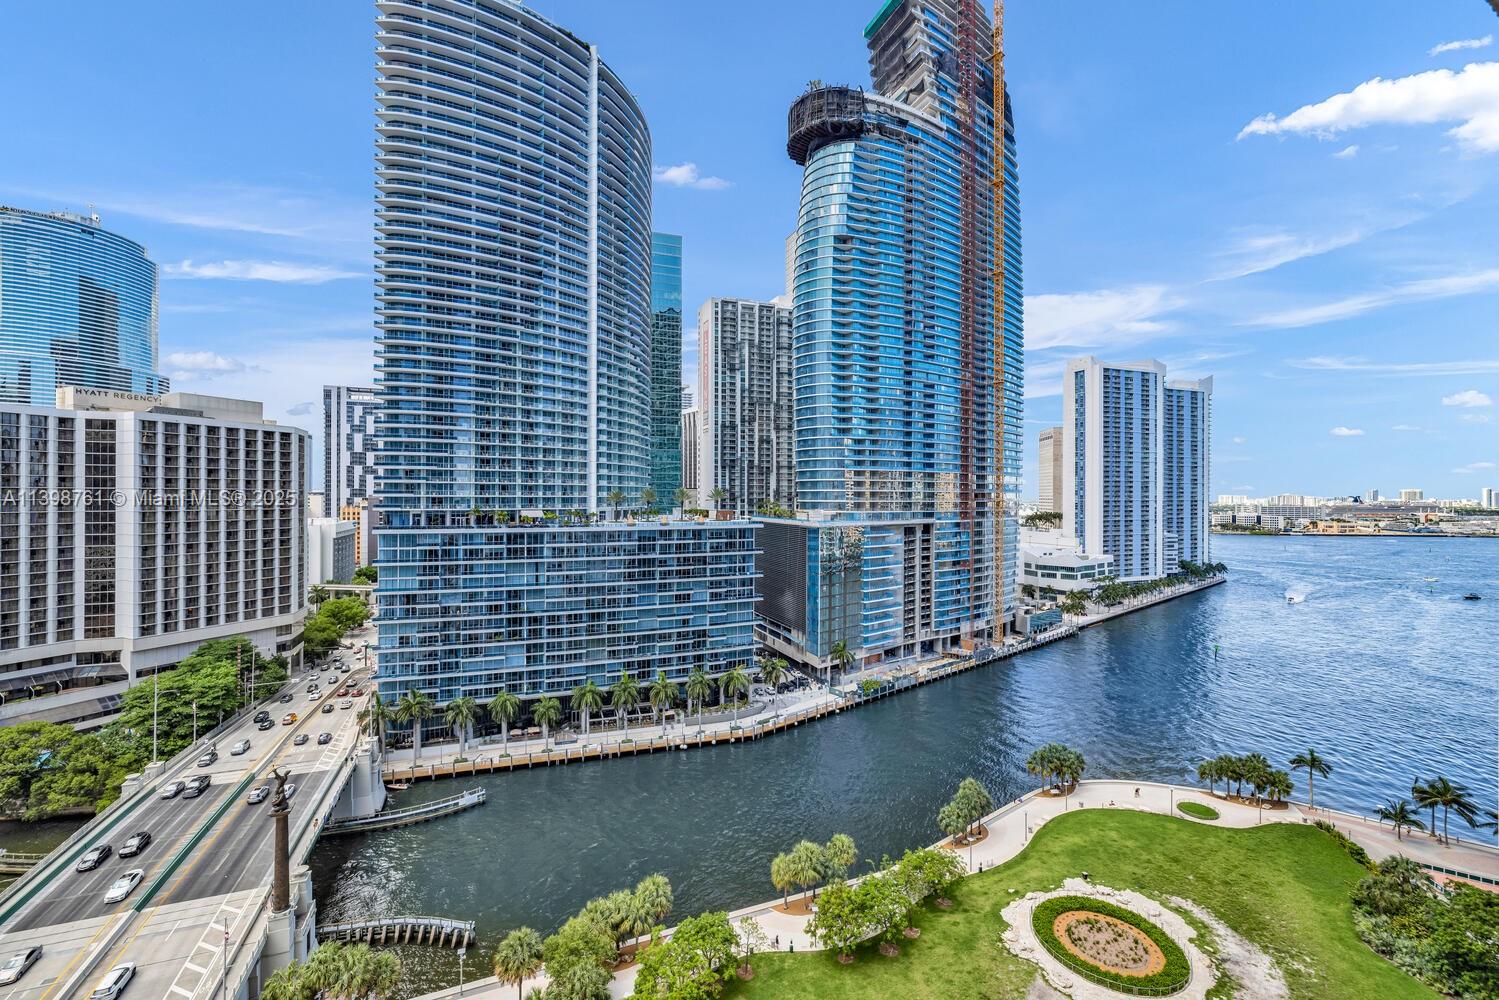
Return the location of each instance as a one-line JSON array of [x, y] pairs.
[[260, 270], [1113, 317], [1346, 432], [1240, 440], [203, 365], [1476, 418], [1346, 153], [1472, 467], [686, 175], [1257, 250], [1460, 44], [301, 409], [1468, 397], [1335, 364], [1405, 427], [1444, 287], [1470, 97]]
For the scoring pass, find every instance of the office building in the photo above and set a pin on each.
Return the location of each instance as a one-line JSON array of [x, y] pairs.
[[1371, 496], [689, 396], [330, 550], [317, 504], [1136, 462], [747, 447], [1050, 560], [690, 459], [1049, 477], [1488, 497], [142, 527], [907, 359], [1412, 496], [514, 372], [365, 514], [666, 366], [77, 308], [349, 445]]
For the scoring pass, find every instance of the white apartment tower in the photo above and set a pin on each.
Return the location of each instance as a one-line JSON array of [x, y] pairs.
[[745, 411], [1186, 442]]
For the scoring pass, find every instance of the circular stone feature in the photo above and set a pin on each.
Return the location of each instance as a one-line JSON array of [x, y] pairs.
[[1108, 943]]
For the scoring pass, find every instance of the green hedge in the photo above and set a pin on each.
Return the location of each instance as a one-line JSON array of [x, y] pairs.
[[1197, 810], [1174, 977]]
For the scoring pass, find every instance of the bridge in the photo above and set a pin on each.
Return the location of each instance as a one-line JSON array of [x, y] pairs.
[[411, 814], [201, 922]]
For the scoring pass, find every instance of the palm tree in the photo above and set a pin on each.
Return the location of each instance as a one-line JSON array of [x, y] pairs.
[[1279, 786], [414, 707], [1424, 799], [648, 498], [1208, 771], [653, 899], [841, 655], [774, 670], [1401, 814], [1452, 796], [518, 957], [317, 594], [377, 715], [1314, 764], [503, 708], [699, 686], [731, 685], [547, 713], [681, 496], [1041, 763], [460, 716], [663, 695], [717, 495], [615, 499], [624, 695], [588, 698]]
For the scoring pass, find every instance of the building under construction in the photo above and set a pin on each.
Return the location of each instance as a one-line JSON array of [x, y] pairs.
[[907, 343]]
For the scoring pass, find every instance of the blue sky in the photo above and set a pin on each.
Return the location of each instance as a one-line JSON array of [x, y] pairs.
[[1299, 199]]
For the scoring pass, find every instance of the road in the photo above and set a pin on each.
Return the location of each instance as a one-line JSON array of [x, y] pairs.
[[230, 857]]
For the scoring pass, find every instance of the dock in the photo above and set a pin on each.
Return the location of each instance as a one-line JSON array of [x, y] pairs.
[[409, 815], [439, 931], [18, 862]]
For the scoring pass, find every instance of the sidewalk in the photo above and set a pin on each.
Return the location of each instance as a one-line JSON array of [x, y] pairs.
[[1012, 825]]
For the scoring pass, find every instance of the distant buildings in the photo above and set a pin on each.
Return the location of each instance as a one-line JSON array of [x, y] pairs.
[[746, 444], [1371, 496], [690, 458], [330, 550], [515, 326], [1488, 497], [1412, 496], [317, 503], [77, 308], [1050, 477], [348, 445], [666, 366], [1136, 465], [906, 380], [141, 527]]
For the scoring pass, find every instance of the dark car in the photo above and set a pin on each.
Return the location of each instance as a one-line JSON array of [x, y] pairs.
[[326, 708], [134, 844], [285, 699], [266, 724], [299, 739], [18, 965], [262, 715], [323, 739], [94, 858], [197, 786], [208, 759]]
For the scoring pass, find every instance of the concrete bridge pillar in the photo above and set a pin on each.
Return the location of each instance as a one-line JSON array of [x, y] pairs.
[[364, 793]]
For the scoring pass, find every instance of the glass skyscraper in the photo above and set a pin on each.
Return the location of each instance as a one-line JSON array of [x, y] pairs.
[[907, 385], [666, 366], [77, 307], [514, 374]]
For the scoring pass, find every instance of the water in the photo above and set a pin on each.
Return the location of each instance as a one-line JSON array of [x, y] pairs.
[[1386, 675]]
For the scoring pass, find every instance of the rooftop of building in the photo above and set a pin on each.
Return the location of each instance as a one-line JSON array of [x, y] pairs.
[[182, 404]]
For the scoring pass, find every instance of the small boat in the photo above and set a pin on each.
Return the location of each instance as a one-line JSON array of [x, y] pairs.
[[1429, 579], [398, 786], [1295, 598], [1472, 597]]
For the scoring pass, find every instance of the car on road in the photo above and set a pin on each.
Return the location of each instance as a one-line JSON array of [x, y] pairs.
[[258, 794], [124, 885], [261, 715], [134, 844], [208, 759], [323, 739], [266, 724], [358, 692], [94, 858], [290, 791], [288, 718], [285, 699], [19, 964], [114, 982], [197, 786], [299, 740], [314, 696], [172, 789], [346, 703], [240, 747], [327, 708]]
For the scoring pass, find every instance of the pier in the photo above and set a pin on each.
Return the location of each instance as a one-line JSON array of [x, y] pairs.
[[439, 931], [18, 862], [409, 815]]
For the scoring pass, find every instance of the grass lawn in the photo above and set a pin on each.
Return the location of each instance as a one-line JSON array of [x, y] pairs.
[[1283, 887], [1197, 810]]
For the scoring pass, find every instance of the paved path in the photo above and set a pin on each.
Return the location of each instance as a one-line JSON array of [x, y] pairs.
[[1013, 824]]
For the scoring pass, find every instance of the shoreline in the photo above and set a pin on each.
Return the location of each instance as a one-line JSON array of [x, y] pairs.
[[1329, 534]]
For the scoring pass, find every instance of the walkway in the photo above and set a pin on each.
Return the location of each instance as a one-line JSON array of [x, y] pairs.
[[1013, 824]]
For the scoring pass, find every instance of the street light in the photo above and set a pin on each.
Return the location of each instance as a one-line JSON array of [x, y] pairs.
[[155, 705], [462, 953]]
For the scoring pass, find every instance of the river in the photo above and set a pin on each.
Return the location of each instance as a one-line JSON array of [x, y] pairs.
[[1388, 676]]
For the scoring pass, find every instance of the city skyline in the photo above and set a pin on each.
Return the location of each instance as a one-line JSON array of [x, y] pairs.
[[1308, 277]]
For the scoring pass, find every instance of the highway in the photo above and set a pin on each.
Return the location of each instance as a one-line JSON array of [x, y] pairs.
[[218, 850]]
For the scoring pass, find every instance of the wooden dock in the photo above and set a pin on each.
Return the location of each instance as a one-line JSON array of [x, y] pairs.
[[439, 931], [18, 862], [409, 815]]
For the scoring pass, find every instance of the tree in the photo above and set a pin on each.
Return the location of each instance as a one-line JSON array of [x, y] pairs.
[[518, 957], [839, 856], [1400, 814], [693, 964], [653, 899], [732, 684], [841, 920], [1464, 943], [547, 713], [774, 670], [414, 707], [1208, 771], [460, 716], [752, 938], [717, 495], [807, 864], [377, 715], [337, 972], [1452, 797], [616, 500], [317, 594], [582, 942], [367, 574], [1424, 799], [884, 905], [503, 708], [1278, 785], [624, 694], [698, 687], [681, 497], [648, 498], [973, 800], [1315, 765], [783, 876], [663, 695], [588, 698], [840, 654]]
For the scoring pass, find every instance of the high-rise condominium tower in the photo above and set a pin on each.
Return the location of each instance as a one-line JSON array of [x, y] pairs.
[[906, 375], [1049, 478], [77, 307], [745, 415], [348, 446], [666, 366], [1186, 443], [514, 374]]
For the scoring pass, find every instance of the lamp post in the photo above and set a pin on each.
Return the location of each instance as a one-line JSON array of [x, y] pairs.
[[155, 706], [462, 953]]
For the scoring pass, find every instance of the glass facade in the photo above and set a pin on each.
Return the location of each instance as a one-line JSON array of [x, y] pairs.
[[1186, 439], [77, 307], [514, 360], [666, 366]]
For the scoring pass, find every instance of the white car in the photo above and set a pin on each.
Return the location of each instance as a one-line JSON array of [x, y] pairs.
[[172, 789], [124, 885], [114, 982], [241, 747], [19, 964]]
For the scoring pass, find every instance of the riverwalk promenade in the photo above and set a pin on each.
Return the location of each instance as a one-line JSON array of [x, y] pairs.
[[1010, 827]]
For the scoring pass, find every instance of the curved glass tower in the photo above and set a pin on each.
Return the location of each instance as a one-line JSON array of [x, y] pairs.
[[514, 373], [77, 307]]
